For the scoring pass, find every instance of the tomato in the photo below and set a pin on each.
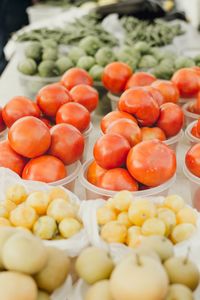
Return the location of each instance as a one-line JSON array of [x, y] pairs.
[[198, 127], [76, 76], [94, 172], [51, 97], [128, 129], [156, 94], [168, 89], [171, 119], [140, 103], [196, 69], [196, 104], [67, 143], [19, 107], [74, 114], [151, 163], [117, 180], [115, 76], [192, 160], [140, 79], [45, 168], [10, 159], [187, 81], [110, 151], [195, 132], [46, 122], [113, 116], [29, 137], [2, 124], [85, 95], [152, 133]]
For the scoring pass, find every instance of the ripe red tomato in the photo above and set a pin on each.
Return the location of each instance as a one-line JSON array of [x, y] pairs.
[[196, 69], [151, 162], [117, 180], [196, 105], [140, 79], [76, 76], [171, 119], [67, 143], [156, 94], [2, 124], [29, 137], [45, 168], [19, 107], [51, 97], [168, 89], [128, 129], [46, 122], [85, 95], [152, 133], [110, 151], [113, 116], [198, 127], [10, 159], [187, 81], [94, 172], [194, 131], [115, 76], [74, 114], [192, 160], [140, 103]]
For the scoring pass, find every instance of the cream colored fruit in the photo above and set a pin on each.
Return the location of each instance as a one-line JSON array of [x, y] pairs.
[[110, 203], [124, 219], [114, 232], [174, 202], [122, 200], [146, 251], [187, 215], [168, 217], [139, 277], [4, 222], [57, 192], [60, 209], [3, 211], [5, 234], [39, 201], [45, 228], [55, 272], [99, 291], [69, 227], [182, 232], [179, 292], [9, 205], [94, 264], [43, 296], [23, 216], [105, 215], [16, 193], [141, 210], [153, 226], [134, 236], [17, 286], [24, 253]]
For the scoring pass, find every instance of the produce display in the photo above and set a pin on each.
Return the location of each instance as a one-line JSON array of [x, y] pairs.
[[196, 130]]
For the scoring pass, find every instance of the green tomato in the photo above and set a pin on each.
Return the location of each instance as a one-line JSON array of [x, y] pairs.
[[63, 64], [34, 51], [28, 66], [86, 62], [96, 72], [75, 53], [142, 47], [50, 54], [147, 61], [48, 68], [104, 56], [90, 44], [184, 62]]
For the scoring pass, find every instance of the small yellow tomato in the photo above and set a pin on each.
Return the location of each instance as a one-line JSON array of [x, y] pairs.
[[153, 226], [140, 210], [182, 232], [124, 219], [134, 236], [122, 200], [57, 192], [174, 202], [60, 209], [45, 228], [186, 215]]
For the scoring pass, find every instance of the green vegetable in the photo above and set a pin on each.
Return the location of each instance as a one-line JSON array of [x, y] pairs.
[[49, 43], [75, 53], [197, 59], [163, 71], [28, 66], [184, 62], [34, 51], [142, 47], [147, 61], [96, 72], [63, 64], [127, 58], [90, 44], [47, 68], [50, 54], [86, 62], [104, 56], [168, 63]]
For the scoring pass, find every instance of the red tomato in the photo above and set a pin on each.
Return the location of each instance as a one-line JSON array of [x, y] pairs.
[[85, 95], [10, 159], [94, 172], [140, 103], [192, 160], [128, 129], [194, 131], [74, 114], [198, 127], [187, 81], [46, 122], [171, 119], [111, 150], [113, 116], [196, 69], [196, 105], [156, 94], [29, 137], [118, 180], [140, 79], [152, 133], [168, 89], [2, 124], [19, 107], [51, 97], [76, 76], [115, 76], [45, 168], [151, 162], [67, 143]]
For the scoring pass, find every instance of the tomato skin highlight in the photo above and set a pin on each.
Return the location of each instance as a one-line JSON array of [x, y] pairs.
[[94, 172], [192, 160], [168, 89], [140, 79], [76, 76], [86, 96], [113, 116]]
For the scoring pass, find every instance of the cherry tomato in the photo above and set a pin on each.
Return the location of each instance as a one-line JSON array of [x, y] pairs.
[[128, 129], [46, 122], [85, 95], [67, 143], [171, 119], [113, 116], [140, 79], [117, 180], [187, 81], [192, 160], [168, 89], [2, 124], [19, 107], [141, 104], [111, 150], [29, 137], [45, 168], [76, 76], [74, 114], [151, 162], [51, 97], [152, 133], [156, 94], [94, 172], [115, 76], [195, 132]]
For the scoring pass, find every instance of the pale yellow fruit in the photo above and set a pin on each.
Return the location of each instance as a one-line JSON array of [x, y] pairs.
[[182, 232], [16, 193], [9, 205], [16, 286], [69, 227], [153, 226], [105, 215], [134, 236], [110, 203], [39, 201], [4, 222], [60, 209], [57, 192], [122, 200], [168, 217], [23, 216], [187, 215], [3, 211], [99, 291], [94, 264], [174, 202], [5, 234], [43, 296], [114, 232], [179, 292], [141, 210], [124, 219], [45, 228], [142, 250]]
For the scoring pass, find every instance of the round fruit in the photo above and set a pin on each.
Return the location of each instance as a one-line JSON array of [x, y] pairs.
[[152, 133], [195, 131], [86, 96], [105, 215], [114, 232], [60, 209], [5, 234], [141, 210], [192, 160], [2, 123], [45, 228], [108, 119], [39, 201], [182, 232], [16, 193], [99, 291], [94, 172], [174, 202], [23, 216], [168, 89], [156, 94], [179, 292], [76, 76], [140, 79], [153, 226], [69, 227]]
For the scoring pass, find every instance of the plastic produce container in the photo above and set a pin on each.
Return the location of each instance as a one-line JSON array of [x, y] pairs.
[[189, 136], [92, 192], [113, 101], [41, 12], [189, 116], [174, 141], [86, 135]]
